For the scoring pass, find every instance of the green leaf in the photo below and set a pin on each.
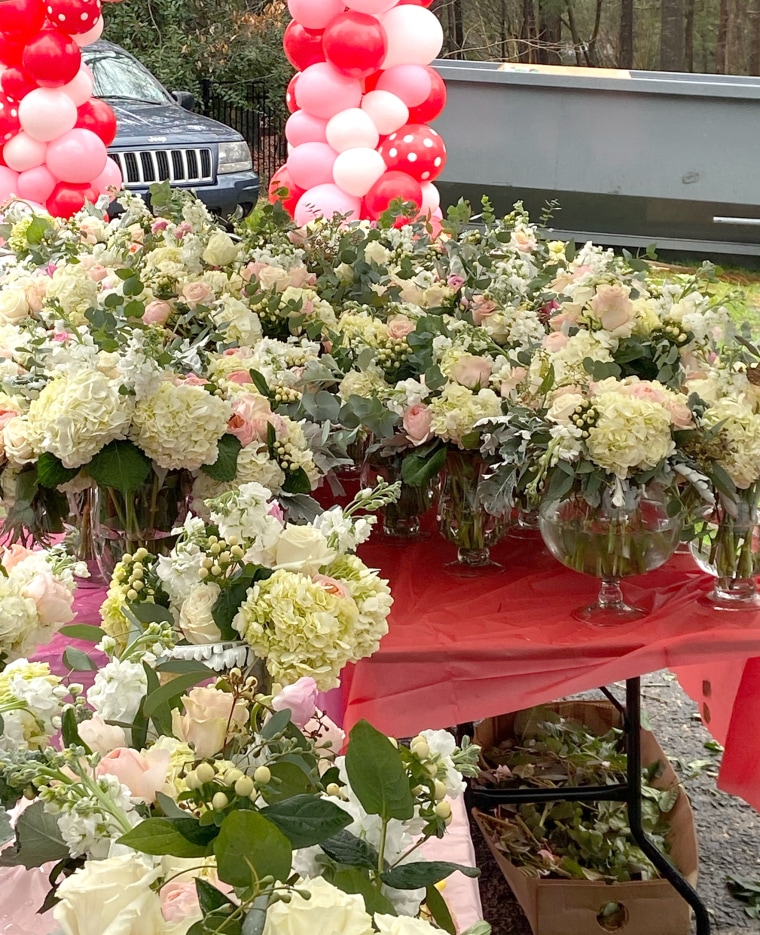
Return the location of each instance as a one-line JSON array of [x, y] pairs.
[[70, 730], [291, 781], [417, 470], [51, 472], [424, 873], [250, 847], [167, 693], [158, 836], [38, 840], [276, 724], [151, 613], [224, 469], [440, 911], [6, 830], [83, 631], [161, 715], [120, 465], [78, 661], [297, 482], [232, 596], [354, 880], [376, 773], [346, 848], [259, 381], [210, 898], [307, 820], [168, 806]]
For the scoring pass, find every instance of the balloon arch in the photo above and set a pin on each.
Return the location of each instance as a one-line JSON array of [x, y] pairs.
[[360, 104]]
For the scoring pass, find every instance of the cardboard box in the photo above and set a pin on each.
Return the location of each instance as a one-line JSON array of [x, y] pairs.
[[571, 907]]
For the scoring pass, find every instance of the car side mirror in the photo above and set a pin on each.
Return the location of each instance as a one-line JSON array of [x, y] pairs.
[[185, 99]]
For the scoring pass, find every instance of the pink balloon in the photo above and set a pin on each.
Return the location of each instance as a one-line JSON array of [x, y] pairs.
[[323, 91], [311, 164], [8, 183], [110, 177], [388, 112], [431, 198], [370, 6], [303, 128], [77, 156], [415, 36], [36, 184], [21, 152], [409, 82], [92, 35], [325, 201], [47, 113], [315, 14], [79, 89]]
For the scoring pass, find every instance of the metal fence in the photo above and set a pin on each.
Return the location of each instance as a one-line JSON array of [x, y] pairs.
[[247, 108]]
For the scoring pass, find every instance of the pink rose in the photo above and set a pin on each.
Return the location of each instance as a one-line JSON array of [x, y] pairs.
[[251, 271], [555, 341], [156, 312], [100, 737], [197, 293], [643, 389], [210, 716], [97, 273], [182, 229], [61, 337], [179, 901], [250, 416], [143, 774], [568, 316], [482, 308], [417, 421], [193, 379], [160, 224], [298, 277], [455, 282], [53, 599], [15, 554], [240, 377], [471, 371], [525, 242], [332, 585], [516, 376], [680, 415], [612, 306], [400, 326], [300, 697]]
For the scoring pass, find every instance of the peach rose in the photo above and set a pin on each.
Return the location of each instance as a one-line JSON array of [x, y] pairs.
[[209, 716], [612, 306], [35, 294], [332, 585], [15, 554], [97, 273], [643, 389], [250, 416], [53, 599], [516, 376], [471, 371], [240, 377], [100, 737], [568, 316], [555, 341], [143, 774], [197, 293], [482, 308], [156, 312], [400, 326], [179, 901], [272, 277], [251, 271], [680, 415], [417, 422]]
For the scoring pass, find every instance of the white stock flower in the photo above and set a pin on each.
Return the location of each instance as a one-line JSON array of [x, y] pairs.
[[442, 745], [117, 690]]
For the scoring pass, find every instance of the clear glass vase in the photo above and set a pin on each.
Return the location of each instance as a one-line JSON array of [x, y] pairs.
[[727, 546], [400, 521], [462, 518], [142, 518], [610, 543]]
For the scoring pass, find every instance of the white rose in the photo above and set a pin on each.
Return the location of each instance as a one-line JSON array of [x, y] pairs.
[[18, 448], [329, 910], [13, 306], [195, 616], [564, 406], [220, 250], [272, 277], [303, 549], [403, 925], [111, 897], [375, 252]]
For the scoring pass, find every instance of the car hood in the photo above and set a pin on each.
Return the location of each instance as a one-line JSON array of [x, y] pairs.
[[140, 124]]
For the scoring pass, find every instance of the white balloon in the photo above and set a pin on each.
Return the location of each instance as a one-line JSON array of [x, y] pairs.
[[79, 89], [431, 198], [356, 170], [350, 129], [92, 35], [47, 113], [387, 110], [21, 152], [415, 36]]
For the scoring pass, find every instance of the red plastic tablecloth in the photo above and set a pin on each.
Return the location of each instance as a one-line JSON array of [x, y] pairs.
[[462, 649]]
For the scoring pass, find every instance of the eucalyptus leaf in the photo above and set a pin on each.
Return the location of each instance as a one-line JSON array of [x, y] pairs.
[[38, 840], [75, 659]]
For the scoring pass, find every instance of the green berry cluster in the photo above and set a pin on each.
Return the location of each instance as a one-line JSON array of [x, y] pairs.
[[392, 355], [285, 394], [584, 417], [222, 555], [136, 575], [674, 333]]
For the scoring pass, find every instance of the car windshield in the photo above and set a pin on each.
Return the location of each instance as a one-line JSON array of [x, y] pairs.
[[120, 78]]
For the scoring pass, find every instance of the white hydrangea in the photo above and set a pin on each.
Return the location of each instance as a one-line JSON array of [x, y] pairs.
[[31, 699], [73, 290]]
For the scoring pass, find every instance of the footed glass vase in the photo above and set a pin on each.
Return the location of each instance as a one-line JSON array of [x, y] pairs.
[[610, 543], [727, 546], [400, 521], [142, 518], [462, 518]]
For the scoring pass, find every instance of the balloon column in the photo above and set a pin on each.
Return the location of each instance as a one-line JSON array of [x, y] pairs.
[[53, 133], [360, 104]]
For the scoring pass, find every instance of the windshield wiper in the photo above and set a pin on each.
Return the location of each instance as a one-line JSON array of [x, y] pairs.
[[135, 100]]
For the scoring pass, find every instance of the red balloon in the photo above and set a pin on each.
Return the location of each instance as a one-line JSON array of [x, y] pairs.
[[73, 16], [2, 161], [97, 116], [21, 19], [16, 83], [355, 43], [302, 46], [9, 122], [10, 52], [52, 59], [424, 3], [433, 106], [370, 82], [387, 188], [290, 94], [281, 179], [68, 198], [415, 149]]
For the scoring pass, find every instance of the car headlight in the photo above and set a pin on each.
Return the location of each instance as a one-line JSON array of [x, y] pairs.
[[235, 156]]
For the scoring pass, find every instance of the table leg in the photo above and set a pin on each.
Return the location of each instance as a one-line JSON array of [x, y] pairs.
[[661, 862]]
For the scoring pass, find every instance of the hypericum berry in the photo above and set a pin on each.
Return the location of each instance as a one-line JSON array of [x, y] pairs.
[[262, 775], [205, 772], [220, 801], [443, 809], [244, 787]]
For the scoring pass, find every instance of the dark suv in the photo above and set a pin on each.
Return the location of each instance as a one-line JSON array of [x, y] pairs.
[[159, 137]]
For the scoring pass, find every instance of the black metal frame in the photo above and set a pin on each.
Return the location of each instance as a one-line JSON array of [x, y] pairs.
[[628, 792]]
